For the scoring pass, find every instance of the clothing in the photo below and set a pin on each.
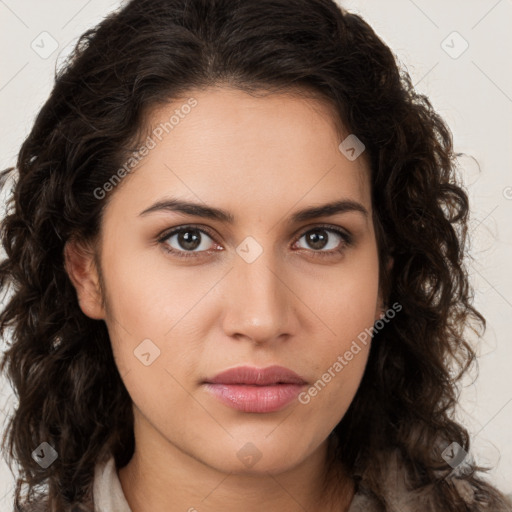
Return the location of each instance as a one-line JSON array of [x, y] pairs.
[[109, 497], [107, 491]]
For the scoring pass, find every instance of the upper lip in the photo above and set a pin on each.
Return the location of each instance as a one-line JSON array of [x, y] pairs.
[[257, 376]]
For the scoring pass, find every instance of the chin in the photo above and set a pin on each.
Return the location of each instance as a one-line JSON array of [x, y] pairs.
[[257, 458]]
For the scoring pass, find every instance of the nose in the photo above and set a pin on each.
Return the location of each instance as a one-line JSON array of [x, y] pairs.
[[259, 303]]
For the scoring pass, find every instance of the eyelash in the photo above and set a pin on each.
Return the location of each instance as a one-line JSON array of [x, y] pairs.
[[346, 240]]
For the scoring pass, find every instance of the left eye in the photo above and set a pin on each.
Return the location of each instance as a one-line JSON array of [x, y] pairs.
[[318, 239]]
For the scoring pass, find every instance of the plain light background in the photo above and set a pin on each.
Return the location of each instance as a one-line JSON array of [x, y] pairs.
[[458, 53]]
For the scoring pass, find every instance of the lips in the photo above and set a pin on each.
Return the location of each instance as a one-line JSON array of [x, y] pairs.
[[257, 376], [256, 390]]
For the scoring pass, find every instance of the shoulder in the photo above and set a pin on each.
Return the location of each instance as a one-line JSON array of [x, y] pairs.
[[392, 489], [43, 506], [39, 504]]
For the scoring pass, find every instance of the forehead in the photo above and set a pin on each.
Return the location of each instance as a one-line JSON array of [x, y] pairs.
[[235, 149]]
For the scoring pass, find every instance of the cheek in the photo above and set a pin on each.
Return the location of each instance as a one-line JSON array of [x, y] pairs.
[[344, 299], [154, 329], [329, 396], [347, 307], [148, 296]]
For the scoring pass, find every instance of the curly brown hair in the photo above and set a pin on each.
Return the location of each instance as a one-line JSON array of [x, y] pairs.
[[60, 362]]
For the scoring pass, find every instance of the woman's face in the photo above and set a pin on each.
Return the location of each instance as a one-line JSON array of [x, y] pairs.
[[259, 286]]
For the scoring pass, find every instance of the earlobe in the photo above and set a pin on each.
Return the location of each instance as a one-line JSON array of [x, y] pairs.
[[380, 312], [81, 269], [390, 263]]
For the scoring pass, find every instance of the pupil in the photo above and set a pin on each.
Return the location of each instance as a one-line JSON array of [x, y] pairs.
[[317, 240], [188, 241]]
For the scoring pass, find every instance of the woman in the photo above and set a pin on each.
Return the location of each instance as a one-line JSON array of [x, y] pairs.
[[236, 248]]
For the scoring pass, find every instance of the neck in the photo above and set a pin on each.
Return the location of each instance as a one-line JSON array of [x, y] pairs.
[[180, 483]]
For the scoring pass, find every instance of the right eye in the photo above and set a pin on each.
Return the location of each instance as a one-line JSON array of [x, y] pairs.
[[188, 241]]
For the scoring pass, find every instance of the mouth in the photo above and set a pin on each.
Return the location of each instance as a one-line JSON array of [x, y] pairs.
[[248, 375], [256, 390]]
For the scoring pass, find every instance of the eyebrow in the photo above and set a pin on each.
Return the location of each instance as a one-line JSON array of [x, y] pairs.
[[209, 212]]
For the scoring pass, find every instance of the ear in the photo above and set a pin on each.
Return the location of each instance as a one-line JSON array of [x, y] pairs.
[[81, 269], [381, 306]]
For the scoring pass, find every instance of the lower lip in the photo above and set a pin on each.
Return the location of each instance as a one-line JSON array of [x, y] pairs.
[[248, 398]]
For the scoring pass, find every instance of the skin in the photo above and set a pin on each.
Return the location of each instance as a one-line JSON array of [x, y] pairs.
[[262, 159]]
